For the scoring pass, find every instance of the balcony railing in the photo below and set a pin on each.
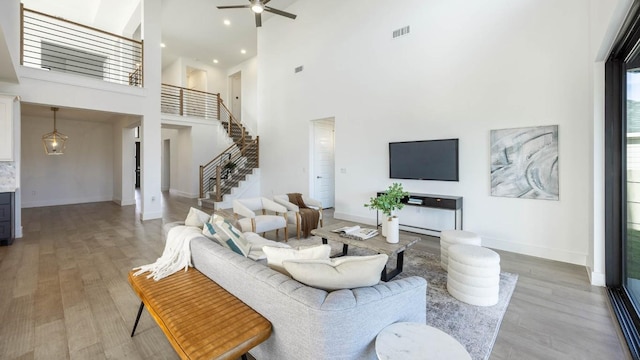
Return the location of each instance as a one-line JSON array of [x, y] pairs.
[[186, 102], [59, 45]]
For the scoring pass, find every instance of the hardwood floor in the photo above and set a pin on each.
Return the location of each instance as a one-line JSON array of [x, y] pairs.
[[64, 293]]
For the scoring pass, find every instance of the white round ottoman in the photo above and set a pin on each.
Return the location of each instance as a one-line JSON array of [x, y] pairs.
[[474, 274], [454, 237]]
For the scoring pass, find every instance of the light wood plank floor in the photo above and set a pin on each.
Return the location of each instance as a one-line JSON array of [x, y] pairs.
[[64, 292]]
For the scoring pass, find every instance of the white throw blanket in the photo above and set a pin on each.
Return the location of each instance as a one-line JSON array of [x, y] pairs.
[[176, 254]]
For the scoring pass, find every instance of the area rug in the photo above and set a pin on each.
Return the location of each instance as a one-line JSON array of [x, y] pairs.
[[475, 327]]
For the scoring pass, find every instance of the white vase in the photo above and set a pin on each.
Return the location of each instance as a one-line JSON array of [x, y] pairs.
[[393, 230], [384, 225]]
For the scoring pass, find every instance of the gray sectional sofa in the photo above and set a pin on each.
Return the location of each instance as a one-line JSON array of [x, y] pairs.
[[309, 323]]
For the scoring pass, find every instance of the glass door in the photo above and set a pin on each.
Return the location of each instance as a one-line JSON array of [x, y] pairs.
[[631, 259]]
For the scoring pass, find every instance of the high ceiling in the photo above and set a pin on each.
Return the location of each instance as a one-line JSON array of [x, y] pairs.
[[193, 29]]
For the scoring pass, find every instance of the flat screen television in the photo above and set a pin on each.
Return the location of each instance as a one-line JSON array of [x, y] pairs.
[[424, 160]]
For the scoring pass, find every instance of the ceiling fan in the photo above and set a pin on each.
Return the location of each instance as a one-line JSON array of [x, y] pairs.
[[258, 6]]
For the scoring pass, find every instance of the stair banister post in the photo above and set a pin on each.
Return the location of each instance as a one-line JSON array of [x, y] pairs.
[[201, 181], [181, 102], [218, 183], [218, 101]]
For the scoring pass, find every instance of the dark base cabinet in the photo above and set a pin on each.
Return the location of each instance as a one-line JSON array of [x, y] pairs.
[[6, 218], [444, 202]]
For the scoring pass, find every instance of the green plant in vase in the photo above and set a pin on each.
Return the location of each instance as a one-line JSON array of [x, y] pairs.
[[230, 165], [387, 203]]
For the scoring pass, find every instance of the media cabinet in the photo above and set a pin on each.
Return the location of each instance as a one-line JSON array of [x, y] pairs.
[[443, 202]]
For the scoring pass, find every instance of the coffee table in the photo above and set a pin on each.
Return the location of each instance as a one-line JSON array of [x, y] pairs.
[[377, 243], [404, 340]]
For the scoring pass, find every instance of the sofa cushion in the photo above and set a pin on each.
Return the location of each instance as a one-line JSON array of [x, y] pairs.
[[232, 237], [345, 272], [196, 218], [275, 256]]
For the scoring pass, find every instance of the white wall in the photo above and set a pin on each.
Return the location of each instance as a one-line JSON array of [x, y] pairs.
[[172, 73], [10, 24], [194, 142], [176, 74], [83, 174], [465, 68], [249, 94]]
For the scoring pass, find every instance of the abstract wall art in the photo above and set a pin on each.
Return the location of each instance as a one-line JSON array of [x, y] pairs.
[[524, 163]]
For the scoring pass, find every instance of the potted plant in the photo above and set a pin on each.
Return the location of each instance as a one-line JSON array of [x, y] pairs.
[[387, 203], [230, 165]]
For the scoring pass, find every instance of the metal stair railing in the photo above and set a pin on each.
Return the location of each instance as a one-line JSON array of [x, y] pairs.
[[187, 102], [217, 175]]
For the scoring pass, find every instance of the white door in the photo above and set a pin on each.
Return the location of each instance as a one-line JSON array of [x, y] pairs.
[[322, 155], [236, 95]]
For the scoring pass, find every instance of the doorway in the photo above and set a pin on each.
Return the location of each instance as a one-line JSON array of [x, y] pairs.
[[137, 181], [235, 84], [165, 181], [323, 161], [194, 103]]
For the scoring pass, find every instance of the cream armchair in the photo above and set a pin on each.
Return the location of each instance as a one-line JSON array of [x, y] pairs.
[[255, 217], [293, 210]]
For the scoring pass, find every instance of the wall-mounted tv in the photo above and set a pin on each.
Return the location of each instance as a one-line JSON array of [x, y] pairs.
[[424, 160]]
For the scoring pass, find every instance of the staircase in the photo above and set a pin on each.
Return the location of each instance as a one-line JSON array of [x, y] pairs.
[[222, 178]]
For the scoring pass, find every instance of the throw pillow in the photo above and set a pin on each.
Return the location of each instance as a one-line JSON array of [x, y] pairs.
[[345, 272], [258, 242], [196, 218], [209, 231], [232, 237], [275, 255]]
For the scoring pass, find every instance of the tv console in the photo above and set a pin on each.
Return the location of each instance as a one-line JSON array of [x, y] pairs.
[[444, 202]]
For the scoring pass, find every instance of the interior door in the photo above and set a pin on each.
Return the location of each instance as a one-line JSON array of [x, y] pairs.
[[236, 98], [323, 162], [137, 175]]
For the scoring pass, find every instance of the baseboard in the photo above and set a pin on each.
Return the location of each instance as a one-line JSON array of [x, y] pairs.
[[124, 202], [151, 215], [524, 249], [56, 202], [183, 194], [358, 219], [596, 278], [537, 251]]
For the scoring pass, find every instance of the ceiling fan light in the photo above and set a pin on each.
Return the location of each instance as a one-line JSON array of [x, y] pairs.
[[257, 7]]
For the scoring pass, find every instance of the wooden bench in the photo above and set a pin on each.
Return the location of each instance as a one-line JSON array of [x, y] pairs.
[[201, 319]]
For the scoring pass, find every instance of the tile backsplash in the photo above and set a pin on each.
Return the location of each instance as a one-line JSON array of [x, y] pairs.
[[7, 176]]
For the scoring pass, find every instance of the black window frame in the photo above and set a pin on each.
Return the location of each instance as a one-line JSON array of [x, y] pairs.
[[624, 55]]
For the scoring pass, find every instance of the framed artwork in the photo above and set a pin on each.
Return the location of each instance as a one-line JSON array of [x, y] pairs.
[[524, 163]]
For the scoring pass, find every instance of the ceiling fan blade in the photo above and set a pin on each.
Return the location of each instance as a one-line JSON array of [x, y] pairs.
[[279, 12], [258, 20], [265, 2], [234, 7]]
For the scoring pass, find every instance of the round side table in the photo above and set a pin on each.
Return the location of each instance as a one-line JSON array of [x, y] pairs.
[[405, 340]]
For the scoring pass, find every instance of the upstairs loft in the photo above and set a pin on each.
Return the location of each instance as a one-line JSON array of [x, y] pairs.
[[59, 45], [56, 53]]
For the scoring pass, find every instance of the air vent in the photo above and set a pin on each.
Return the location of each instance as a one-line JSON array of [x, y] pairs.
[[401, 32], [298, 69]]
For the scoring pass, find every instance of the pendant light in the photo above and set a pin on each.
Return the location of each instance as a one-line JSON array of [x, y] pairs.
[[54, 142]]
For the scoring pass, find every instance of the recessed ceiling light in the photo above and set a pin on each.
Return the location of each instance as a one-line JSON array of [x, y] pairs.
[[163, 45], [243, 51], [227, 22], [215, 61]]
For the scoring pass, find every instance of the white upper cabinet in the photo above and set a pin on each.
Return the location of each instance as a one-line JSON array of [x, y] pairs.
[[6, 128]]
